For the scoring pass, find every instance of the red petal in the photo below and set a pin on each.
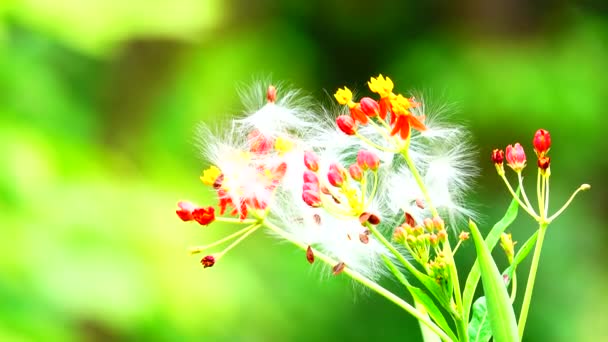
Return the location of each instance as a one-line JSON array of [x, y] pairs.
[[417, 123]]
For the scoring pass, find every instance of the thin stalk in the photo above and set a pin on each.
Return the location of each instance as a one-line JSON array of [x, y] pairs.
[[373, 144], [234, 220], [461, 329], [581, 188], [427, 334], [513, 287], [365, 282], [199, 249], [529, 210], [418, 178], [523, 189], [243, 237], [547, 195], [539, 194], [391, 248], [523, 315]]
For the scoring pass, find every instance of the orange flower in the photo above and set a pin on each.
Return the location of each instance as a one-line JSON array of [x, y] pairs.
[[402, 118]]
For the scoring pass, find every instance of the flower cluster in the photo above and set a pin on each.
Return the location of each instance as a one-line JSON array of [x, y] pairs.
[[374, 190]]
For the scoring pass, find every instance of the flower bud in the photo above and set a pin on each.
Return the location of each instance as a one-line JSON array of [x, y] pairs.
[[336, 175], [357, 114], [442, 235], [271, 94], [311, 197], [355, 172], [428, 223], [464, 236], [368, 160], [516, 157], [369, 106], [310, 177], [346, 124], [311, 160], [498, 156], [434, 240], [544, 163], [185, 210], [541, 142], [204, 216], [208, 261], [399, 235], [438, 223]]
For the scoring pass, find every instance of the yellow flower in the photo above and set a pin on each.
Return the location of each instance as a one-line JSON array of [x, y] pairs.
[[344, 97], [283, 145], [210, 175], [381, 85], [400, 105]]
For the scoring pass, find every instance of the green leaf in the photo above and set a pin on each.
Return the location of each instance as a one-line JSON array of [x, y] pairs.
[[423, 299], [500, 312], [491, 241], [521, 255], [479, 327]]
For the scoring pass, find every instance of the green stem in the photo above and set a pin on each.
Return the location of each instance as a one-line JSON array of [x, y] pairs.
[[427, 334], [419, 181], [523, 315], [234, 220], [529, 210], [581, 188], [198, 249], [365, 282], [523, 190], [461, 329]]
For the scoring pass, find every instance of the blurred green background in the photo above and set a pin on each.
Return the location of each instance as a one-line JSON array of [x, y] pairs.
[[99, 101]]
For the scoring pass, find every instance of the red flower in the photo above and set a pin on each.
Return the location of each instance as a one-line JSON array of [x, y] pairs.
[[346, 124], [516, 157], [542, 142], [204, 216]]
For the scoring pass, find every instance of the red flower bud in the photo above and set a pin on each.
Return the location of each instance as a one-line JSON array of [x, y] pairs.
[[369, 106], [355, 172], [208, 261], [516, 157], [311, 160], [310, 177], [368, 160], [185, 210], [336, 175], [311, 197], [271, 94], [544, 163], [346, 124], [204, 216], [498, 156], [542, 142]]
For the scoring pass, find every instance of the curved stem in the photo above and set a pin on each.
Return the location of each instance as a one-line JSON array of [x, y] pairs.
[[523, 190], [243, 237], [234, 220], [365, 282], [529, 210], [581, 188], [198, 249], [373, 144], [523, 315]]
